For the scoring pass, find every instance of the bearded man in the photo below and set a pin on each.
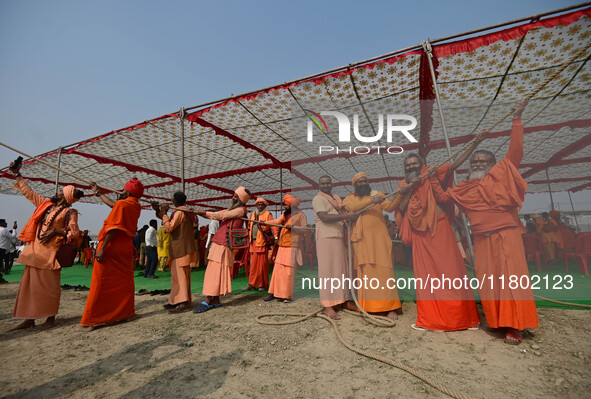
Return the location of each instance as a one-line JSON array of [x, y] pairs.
[[289, 253], [491, 198], [182, 250], [112, 289], [53, 224], [218, 279], [330, 245], [373, 247], [426, 226], [258, 277]]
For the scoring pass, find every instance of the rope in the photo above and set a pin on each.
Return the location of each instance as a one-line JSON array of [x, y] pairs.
[[303, 316], [580, 305]]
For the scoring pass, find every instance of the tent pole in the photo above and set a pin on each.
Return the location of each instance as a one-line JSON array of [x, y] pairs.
[[280, 188], [549, 189], [57, 175], [573, 208], [429, 54], [183, 149]]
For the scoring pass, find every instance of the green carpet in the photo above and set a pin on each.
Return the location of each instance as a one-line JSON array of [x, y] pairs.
[[552, 284]]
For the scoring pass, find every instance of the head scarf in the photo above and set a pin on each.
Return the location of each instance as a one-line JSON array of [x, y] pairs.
[[69, 194], [242, 194], [261, 199], [134, 187], [291, 200], [357, 177]]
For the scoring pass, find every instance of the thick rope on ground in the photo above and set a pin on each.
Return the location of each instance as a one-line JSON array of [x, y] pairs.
[[302, 317]]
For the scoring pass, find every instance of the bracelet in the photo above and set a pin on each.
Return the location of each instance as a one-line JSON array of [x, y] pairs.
[[98, 193]]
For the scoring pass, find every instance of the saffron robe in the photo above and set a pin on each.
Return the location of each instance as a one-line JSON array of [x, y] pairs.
[[180, 268], [111, 297], [259, 251], [492, 204], [373, 253], [39, 290], [436, 255]]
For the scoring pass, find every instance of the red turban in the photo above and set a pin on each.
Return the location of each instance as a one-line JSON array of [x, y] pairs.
[[134, 187], [357, 177], [289, 199], [69, 194]]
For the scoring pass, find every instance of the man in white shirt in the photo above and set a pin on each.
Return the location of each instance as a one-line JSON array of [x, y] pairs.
[[6, 241], [151, 250]]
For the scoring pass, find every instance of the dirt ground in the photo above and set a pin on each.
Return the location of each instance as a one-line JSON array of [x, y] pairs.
[[225, 353]]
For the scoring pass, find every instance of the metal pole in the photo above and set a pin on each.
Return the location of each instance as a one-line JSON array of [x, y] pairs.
[[280, 188], [573, 208], [428, 52], [183, 149], [549, 189], [57, 175]]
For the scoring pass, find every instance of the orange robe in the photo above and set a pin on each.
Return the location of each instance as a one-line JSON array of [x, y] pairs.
[[259, 252], [436, 255], [180, 268], [289, 255], [39, 290], [111, 296], [548, 238], [373, 253], [218, 277], [492, 205]]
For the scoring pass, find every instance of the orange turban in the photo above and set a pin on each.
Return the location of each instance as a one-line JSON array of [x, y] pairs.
[[554, 214], [242, 194], [357, 177], [69, 194], [261, 199], [134, 187], [289, 199]]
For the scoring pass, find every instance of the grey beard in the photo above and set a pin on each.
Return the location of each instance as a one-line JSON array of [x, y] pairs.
[[411, 174], [234, 204], [476, 174]]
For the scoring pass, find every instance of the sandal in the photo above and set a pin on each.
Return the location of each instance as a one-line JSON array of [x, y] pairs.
[[204, 307], [513, 336]]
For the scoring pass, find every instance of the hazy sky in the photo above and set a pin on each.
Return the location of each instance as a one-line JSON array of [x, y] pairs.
[[71, 70]]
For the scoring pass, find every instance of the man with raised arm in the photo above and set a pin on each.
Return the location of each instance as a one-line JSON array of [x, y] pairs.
[[426, 226], [112, 290], [491, 198], [53, 224], [218, 279]]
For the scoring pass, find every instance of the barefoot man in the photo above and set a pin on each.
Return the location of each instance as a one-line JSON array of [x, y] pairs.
[[53, 223], [373, 248], [112, 290], [330, 246], [491, 198]]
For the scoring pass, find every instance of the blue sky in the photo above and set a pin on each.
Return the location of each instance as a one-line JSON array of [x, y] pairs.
[[71, 70]]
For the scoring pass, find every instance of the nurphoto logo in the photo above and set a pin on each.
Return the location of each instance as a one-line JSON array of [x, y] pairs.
[[317, 122]]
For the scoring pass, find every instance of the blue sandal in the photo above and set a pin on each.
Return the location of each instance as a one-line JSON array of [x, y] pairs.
[[204, 307]]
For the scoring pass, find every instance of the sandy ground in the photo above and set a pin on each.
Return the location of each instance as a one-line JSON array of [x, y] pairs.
[[225, 353]]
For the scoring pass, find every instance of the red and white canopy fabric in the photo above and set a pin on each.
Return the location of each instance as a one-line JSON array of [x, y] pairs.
[[259, 140]]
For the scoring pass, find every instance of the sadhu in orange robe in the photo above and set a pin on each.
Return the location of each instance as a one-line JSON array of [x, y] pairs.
[[39, 290], [111, 296], [259, 250], [427, 227], [492, 205], [289, 255], [373, 253]]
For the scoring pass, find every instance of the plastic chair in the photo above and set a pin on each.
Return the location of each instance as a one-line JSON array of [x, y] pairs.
[[582, 252], [533, 246]]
